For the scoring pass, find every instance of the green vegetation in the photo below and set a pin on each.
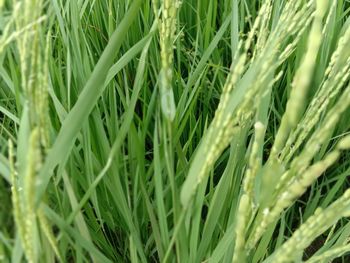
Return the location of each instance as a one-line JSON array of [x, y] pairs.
[[174, 131]]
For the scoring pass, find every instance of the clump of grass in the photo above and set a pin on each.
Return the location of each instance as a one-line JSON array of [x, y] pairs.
[[168, 131]]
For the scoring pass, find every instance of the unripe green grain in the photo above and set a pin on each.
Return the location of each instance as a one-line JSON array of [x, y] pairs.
[[238, 98], [313, 227], [301, 162], [18, 211], [336, 75], [254, 161], [246, 201], [167, 29], [344, 143], [46, 228], [32, 166], [240, 229], [263, 31], [301, 82], [329, 254], [294, 189]]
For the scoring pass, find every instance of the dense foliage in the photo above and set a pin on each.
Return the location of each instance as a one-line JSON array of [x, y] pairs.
[[174, 131]]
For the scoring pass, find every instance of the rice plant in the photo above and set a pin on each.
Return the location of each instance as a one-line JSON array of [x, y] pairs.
[[174, 131]]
